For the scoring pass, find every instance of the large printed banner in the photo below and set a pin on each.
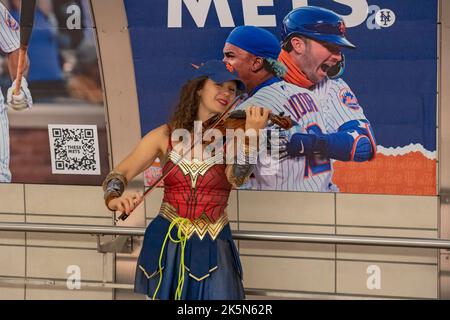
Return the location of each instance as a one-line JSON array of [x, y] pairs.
[[393, 73], [61, 138]]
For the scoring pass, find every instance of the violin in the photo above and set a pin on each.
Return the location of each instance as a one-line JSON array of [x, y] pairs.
[[236, 120], [226, 120]]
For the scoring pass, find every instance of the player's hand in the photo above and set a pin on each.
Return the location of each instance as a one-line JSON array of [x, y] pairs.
[[299, 144], [277, 139], [256, 118], [21, 101], [126, 203]]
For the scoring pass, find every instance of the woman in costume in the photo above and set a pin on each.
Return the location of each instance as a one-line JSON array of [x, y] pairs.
[[188, 251]]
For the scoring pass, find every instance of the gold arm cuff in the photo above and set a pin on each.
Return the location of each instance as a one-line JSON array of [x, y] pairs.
[[236, 182], [114, 175]]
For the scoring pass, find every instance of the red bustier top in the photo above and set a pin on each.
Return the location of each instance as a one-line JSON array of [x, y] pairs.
[[197, 187]]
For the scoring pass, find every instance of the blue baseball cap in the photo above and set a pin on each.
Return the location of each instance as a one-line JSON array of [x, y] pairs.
[[257, 41], [219, 72]]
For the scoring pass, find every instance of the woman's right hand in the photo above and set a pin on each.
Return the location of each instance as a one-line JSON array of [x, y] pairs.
[[127, 202]]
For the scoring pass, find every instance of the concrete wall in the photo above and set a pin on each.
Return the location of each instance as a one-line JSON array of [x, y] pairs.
[[48, 256]]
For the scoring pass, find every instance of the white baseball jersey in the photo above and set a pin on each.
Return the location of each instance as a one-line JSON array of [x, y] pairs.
[[338, 105], [9, 41], [303, 106]]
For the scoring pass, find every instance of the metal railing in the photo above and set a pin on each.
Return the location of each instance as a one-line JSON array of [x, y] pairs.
[[237, 235], [248, 291]]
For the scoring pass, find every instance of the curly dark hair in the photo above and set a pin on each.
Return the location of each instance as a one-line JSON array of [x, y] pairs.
[[187, 106]]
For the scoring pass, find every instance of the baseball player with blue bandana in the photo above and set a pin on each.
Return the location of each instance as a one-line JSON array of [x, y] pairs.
[[312, 38], [9, 44], [253, 53]]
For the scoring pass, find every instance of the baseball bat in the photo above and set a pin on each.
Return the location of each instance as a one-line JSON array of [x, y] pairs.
[[27, 8]]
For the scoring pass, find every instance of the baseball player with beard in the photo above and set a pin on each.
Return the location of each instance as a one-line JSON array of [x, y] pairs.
[[9, 44], [312, 38], [253, 53]]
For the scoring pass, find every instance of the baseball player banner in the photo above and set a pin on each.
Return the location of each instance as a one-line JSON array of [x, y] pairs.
[[53, 130], [376, 90]]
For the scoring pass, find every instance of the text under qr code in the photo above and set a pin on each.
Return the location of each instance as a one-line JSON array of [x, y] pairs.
[[74, 149]]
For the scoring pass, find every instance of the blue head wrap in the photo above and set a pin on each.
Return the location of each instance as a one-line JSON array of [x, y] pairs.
[[257, 41]]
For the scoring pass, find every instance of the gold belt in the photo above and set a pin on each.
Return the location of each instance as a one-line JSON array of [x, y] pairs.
[[200, 226]]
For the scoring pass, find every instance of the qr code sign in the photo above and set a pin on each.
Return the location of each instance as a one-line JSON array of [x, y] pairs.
[[74, 149]]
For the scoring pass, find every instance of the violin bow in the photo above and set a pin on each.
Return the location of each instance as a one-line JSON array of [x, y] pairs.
[[153, 186]]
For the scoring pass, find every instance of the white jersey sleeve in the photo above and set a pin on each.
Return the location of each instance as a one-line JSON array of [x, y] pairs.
[[266, 99], [292, 173], [339, 103], [287, 99], [9, 31]]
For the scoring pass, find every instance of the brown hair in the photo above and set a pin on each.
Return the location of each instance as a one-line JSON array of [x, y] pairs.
[[287, 44], [187, 106]]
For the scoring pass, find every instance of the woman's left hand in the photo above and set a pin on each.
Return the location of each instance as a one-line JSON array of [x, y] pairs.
[[256, 117]]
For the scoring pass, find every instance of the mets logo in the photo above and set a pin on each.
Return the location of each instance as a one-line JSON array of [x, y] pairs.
[[348, 99], [11, 22], [385, 18]]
